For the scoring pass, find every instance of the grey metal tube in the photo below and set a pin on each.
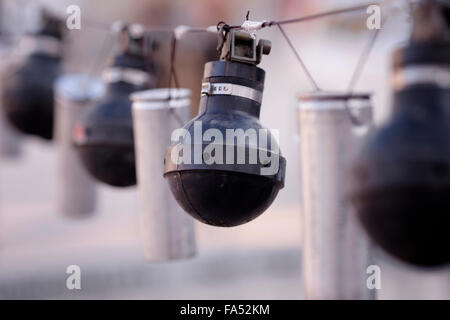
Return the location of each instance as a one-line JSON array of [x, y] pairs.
[[167, 232], [336, 252], [77, 191], [10, 140]]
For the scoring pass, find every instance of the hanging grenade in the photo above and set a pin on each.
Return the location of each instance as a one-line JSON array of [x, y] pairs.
[[401, 181], [210, 169], [104, 135], [27, 97]]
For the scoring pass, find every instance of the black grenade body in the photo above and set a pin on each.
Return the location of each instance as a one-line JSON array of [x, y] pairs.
[[27, 93], [401, 181], [104, 135], [225, 192]]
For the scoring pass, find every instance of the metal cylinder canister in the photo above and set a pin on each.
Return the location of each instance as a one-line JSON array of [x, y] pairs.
[[167, 232], [336, 252], [10, 140], [77, 192]]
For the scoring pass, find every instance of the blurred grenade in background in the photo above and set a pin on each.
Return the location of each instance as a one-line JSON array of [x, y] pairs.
[[401, 180], [104, 135], [27, 91]]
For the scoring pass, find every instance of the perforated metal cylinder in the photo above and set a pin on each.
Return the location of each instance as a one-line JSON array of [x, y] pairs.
[[167, 231], [77, 191], [336, 251]]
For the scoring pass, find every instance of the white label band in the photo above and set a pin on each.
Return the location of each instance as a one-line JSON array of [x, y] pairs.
[[133, 76], [211, 89], [422, 74], [42, 44]]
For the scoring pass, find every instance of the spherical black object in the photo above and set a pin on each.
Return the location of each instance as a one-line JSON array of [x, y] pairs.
[[27, 97], [106, 144], [104, 135], [222, 198], [226, 192], [27, 90], [401, 181]]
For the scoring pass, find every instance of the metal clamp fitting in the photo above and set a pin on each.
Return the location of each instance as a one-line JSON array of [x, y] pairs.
[[211, 89]]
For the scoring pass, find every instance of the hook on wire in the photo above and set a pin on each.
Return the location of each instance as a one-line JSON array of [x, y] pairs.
[[222, 30]]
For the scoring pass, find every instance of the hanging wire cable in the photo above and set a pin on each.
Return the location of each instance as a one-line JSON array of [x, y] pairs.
[[264, 24], [148, 53], [364, 57], [251, 26], [179, 31], [299, 59], [105, 48], [173, 74], [362, 61], [321, 14], [172, 71]]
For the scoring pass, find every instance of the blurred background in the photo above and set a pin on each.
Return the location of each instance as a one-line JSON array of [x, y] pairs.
[[259, 260]]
